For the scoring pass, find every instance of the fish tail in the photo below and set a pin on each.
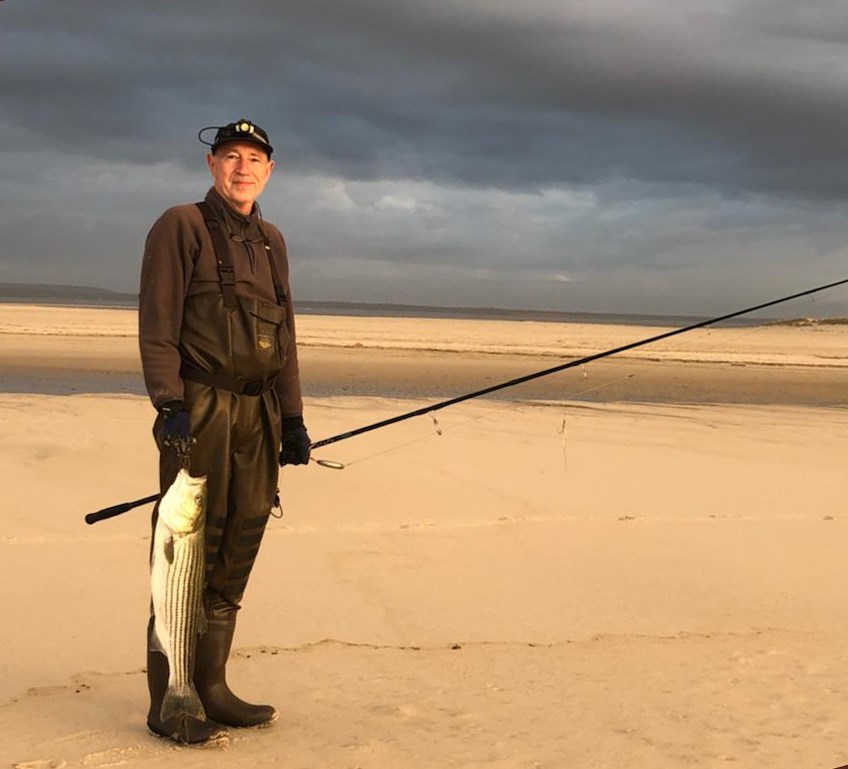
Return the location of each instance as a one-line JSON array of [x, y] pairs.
[[180, 701]]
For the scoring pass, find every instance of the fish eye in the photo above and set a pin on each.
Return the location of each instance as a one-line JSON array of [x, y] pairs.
[[198, 498]]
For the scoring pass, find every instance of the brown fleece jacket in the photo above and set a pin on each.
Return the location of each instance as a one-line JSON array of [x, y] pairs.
[[179, 261]]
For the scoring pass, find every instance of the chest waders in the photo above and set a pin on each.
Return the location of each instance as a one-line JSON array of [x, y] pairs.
[[232, 348]]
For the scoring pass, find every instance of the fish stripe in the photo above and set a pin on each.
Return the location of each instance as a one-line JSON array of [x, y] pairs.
[[183, 606]]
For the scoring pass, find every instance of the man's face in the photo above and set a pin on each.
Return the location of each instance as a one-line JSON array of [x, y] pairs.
[[239, 172]]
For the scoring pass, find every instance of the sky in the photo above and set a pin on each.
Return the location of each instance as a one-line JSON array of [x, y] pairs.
[[635, 156]]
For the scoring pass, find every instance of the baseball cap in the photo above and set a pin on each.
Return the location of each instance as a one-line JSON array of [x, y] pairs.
[[242, 130]]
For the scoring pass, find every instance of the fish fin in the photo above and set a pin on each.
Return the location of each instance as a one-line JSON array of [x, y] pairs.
[[168, 548], [181, 701]]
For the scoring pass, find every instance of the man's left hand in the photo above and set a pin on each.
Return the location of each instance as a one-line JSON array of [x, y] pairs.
[[294, 442]]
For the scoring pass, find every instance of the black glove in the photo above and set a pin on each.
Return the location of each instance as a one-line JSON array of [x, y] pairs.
[[294, 442], [176, 428]]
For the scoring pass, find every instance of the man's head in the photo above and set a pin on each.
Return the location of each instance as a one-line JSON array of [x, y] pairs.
[[240, 163]]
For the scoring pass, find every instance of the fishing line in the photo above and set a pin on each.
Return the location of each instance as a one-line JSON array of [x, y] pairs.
[[439, 430], [401, 446], [563, 431]]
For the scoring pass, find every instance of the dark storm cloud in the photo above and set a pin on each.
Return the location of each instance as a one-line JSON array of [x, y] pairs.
[[603, 154], [737, 96]]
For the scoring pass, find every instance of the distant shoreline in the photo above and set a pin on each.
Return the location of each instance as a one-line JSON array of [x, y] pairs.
[[99, 298], [377, 310]]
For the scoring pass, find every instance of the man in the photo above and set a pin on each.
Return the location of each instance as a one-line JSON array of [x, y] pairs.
[[217, 339]]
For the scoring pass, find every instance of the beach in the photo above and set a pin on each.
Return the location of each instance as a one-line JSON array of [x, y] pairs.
[[636, 562]]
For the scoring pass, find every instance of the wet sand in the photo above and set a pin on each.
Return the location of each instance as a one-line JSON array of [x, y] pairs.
[[419, 359]]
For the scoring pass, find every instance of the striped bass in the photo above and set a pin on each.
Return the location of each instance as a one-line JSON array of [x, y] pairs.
[[176, 586]]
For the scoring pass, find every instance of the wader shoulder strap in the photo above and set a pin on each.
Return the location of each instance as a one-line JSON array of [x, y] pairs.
[[222, 255]]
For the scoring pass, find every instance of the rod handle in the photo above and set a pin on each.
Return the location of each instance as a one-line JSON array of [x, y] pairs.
[[111, 512]]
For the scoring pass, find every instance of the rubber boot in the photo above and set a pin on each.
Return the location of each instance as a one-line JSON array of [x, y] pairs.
[[185, 729], [213, 650]]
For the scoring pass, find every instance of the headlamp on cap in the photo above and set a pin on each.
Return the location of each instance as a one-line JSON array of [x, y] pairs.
[[242, 130]]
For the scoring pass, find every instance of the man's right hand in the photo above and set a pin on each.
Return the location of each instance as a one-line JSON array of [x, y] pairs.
[[176, 428], [294, 442]]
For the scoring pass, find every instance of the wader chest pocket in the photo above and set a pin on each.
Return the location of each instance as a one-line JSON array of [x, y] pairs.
[[269, 328]]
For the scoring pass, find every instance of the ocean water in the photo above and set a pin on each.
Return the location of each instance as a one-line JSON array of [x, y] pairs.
[[494, 313], [426, 311]]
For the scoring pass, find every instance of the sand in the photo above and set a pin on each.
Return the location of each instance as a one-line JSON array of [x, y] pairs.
[[591, 574]]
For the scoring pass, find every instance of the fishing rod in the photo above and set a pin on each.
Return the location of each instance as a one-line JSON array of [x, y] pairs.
[[564, 366], [109, 512], [125, 507]]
